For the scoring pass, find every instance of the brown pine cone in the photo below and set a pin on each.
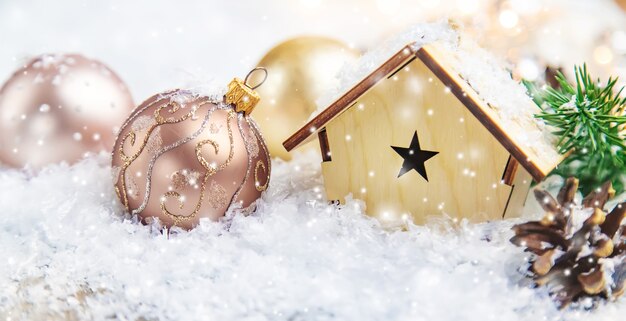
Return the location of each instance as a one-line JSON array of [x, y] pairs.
[[577, 259]]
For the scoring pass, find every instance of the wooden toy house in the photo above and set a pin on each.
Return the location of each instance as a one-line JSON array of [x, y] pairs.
[[414, 138]]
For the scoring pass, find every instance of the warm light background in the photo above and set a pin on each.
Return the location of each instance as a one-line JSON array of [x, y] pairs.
[[155, 45]]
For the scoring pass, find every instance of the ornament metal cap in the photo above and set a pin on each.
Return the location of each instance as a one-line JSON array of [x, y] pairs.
[[242, 95]]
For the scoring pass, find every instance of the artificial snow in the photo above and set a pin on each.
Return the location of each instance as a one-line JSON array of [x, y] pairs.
[[69, 252]]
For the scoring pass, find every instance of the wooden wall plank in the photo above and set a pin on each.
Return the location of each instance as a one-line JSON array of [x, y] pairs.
[[464, 178]]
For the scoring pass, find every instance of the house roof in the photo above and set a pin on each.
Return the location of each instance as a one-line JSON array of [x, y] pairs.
[[510, 119]]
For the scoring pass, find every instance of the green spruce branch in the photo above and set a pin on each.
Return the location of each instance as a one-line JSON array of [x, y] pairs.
[[588, 120]]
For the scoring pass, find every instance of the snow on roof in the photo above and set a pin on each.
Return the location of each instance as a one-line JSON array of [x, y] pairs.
[[509, 104], [512, 107], [351, 74]]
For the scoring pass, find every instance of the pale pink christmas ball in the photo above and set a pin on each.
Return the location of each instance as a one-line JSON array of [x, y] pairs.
[[181, 157], [59, 107]]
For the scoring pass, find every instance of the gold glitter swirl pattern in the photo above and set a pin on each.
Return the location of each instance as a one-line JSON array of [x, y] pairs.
[[131, 137], [211, 169], [160, 120], [260, 187], [175, 194], [164, 150], [191, 190], [262, 165], [173, 108]]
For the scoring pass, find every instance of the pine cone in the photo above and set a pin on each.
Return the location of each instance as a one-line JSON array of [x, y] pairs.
[[576, 260]]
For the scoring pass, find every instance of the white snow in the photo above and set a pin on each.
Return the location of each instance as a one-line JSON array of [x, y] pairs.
[[296, 258], [67, 251]]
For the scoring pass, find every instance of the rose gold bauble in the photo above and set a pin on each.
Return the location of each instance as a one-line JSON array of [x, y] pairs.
[[182, 156], [300, 71], [57, 108]]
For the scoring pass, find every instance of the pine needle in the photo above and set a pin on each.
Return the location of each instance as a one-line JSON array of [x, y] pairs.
[[589, 120]]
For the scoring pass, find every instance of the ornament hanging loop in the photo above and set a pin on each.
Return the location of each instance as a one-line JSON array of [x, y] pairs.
[[245, 81], [242, 95]]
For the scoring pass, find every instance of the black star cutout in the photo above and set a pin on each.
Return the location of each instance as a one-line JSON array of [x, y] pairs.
[[414, 157]]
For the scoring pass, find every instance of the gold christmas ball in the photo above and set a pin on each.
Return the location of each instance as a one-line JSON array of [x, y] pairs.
[[300, 71], [182, 156], [57, 108]]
